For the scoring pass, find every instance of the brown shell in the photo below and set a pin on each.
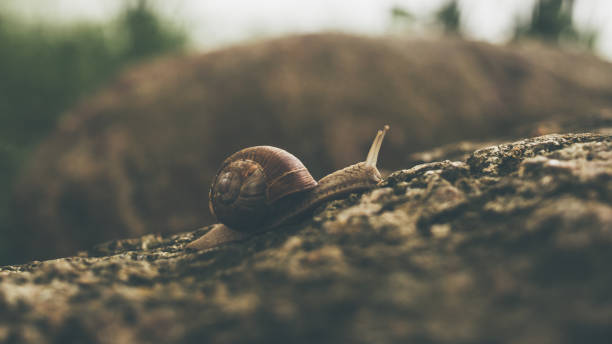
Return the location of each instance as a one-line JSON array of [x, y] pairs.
[[282, 173]]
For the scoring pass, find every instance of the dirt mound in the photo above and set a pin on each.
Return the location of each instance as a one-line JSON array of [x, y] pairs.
[[138, 156]]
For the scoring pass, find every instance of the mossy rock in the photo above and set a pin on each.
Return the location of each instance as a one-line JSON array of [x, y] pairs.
[[510, 245]]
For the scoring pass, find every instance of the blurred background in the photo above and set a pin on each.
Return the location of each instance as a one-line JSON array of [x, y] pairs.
[[114, 115]]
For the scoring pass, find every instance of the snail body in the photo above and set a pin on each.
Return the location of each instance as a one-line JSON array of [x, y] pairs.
[[262, 188]]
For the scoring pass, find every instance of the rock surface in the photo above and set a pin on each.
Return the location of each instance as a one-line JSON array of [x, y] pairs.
[[511, 245], [139, 156]]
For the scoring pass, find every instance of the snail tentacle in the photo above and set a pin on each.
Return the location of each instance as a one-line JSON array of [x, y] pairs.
[[372, 157]]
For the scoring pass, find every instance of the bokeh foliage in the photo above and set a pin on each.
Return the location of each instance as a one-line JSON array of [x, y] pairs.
[[46, 68], [552, 21], [449, 17]]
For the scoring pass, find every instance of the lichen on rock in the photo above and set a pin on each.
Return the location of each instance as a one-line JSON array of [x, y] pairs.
[[510, 245]]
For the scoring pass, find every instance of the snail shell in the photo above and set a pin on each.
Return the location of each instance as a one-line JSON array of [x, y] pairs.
[[250, 181], [264, 187]]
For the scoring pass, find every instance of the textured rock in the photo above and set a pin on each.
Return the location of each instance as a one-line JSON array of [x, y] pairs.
[[138, 157], [511, 245]]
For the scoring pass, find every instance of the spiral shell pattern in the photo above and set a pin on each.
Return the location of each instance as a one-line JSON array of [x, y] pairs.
[[251, 180]]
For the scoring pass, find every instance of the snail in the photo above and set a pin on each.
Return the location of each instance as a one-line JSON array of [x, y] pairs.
[[262, 188]]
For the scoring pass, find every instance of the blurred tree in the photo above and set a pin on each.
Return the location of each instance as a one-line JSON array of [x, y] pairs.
[[552, 21], [401, 19], [46, 68], [449, 18], [146, 33], [400, 13]]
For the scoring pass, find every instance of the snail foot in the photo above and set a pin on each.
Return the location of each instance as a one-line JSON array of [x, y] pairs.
[[218, 235]]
